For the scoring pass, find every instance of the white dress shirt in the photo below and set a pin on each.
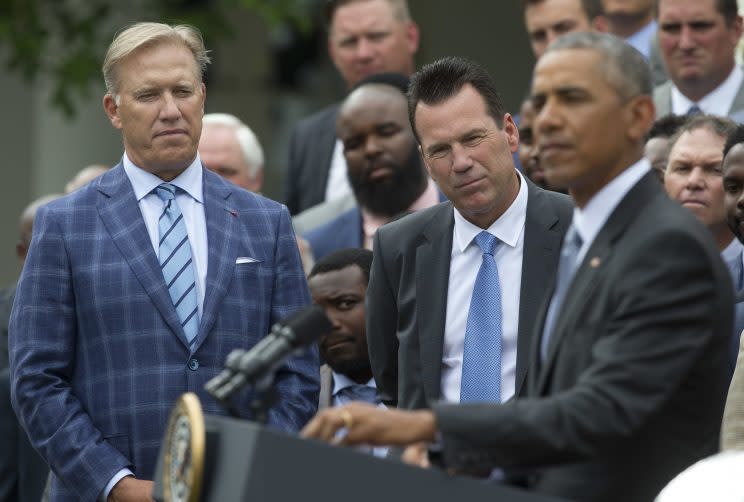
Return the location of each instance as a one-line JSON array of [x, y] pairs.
[[589, 220], [338, 181], [717, 102], [191, 204], [465, 261], [641, 39]]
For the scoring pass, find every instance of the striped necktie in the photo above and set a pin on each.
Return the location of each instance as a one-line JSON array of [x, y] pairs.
[[175, 261]]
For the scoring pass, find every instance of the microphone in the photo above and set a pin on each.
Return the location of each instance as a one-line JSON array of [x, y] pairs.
[[297, 331]]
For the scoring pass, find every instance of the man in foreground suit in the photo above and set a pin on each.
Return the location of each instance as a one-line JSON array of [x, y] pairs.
[[425, 266], [138, 285], [364, 37], [628, 374]]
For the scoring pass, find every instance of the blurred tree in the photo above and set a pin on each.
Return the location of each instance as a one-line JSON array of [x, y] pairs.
[[65, 40]]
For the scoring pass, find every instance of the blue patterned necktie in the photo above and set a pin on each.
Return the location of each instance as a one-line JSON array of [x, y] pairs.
[[481, 357], [175, 261], [566, 269], [358, 392]]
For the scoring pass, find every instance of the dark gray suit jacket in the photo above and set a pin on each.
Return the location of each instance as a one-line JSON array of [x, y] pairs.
[[663, 102], [310, 150], [407, 294], [633, 386]]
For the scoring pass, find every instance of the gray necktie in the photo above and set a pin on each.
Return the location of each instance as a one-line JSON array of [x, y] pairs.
[[566, 269]]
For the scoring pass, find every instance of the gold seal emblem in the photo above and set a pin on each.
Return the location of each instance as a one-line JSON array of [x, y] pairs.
[[184, 451]]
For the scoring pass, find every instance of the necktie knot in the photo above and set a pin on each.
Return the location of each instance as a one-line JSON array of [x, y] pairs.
[[694, 110], [487, 242], [166, 191], [359, 392]]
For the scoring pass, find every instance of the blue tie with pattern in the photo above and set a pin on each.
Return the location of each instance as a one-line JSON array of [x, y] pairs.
[[694, 110], [176, 262], [358, 392], [481, 357], [567, 265]]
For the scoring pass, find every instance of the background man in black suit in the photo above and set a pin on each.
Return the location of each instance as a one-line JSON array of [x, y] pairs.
[[426, 264], [364, 37], [627, 383]]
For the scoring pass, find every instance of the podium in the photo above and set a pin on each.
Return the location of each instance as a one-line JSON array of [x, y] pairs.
[[244, 461]]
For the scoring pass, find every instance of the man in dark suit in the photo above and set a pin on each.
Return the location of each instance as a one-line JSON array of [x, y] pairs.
[[138, 285], [383, 165], [364, 37], [426, 264], [628, 375]]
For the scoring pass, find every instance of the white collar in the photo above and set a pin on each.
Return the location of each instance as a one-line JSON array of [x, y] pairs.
[[507, 228], [590, 219], [144, 182], [716, 102]]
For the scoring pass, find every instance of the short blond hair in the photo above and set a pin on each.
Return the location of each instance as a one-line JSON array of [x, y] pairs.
[[142, 35], [400, 9]]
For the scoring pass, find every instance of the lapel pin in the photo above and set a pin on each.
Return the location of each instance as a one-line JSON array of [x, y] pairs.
[[232, 212], [594, 262]]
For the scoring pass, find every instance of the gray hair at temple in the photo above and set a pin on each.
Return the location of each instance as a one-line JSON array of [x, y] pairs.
[[143, 35], [623, 67], [249, 145]]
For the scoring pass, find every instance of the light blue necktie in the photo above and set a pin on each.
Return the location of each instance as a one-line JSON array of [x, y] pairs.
[[566, 269], [176, 262], [481, 357], [358, 392]]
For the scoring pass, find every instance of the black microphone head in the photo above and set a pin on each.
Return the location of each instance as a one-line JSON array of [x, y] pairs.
[[306, 325]]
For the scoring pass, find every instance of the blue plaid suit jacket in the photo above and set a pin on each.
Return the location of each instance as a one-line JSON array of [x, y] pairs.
[[98, 356]]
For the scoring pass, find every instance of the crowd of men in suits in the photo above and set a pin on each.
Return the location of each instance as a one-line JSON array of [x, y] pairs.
[[513, 296]]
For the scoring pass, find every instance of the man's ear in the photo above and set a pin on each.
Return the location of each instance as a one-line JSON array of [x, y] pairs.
[[112, 110]]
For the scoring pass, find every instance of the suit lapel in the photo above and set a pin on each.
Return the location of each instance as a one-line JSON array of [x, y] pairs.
[[542, 241], [592, 266], [121, 216], [222, 243], [738, 103], [432, 279]]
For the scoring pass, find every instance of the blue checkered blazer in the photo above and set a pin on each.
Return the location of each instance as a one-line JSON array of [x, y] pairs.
[[98, 355]]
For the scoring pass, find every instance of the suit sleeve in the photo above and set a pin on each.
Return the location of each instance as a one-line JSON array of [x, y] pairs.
[[661, 335], [382, 321], [298, 381], [42, 359]]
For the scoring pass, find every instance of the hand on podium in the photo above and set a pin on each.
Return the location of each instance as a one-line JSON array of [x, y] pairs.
[[371, 425]]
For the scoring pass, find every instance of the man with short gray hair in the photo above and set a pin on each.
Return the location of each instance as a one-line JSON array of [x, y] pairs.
[[139, 284], [630, 357], [230, 148]]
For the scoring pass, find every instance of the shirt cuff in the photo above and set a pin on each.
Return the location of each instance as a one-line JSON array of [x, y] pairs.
[[110, 486]]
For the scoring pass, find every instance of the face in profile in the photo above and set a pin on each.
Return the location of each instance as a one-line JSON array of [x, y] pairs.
[[341, 293], [527, 146], [693, 175], [656, 151], [733, 188], [158, 108], [366, 38], [469, 155], [586, 131], [384, 169]]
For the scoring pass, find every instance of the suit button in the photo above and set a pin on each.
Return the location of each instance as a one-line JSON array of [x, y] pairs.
[[193, 364]]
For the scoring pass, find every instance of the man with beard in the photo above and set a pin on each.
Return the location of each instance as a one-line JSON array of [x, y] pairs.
[[384, 168]]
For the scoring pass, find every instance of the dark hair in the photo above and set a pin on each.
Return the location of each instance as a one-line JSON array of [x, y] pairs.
[[727, 8], [734, 138], [444, 78], [400, 9], [592, 8], [666, 126], [343, 258], [720, 126], [397, 80]]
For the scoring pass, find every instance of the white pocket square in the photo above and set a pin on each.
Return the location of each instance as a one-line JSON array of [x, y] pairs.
[[245, 259]]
